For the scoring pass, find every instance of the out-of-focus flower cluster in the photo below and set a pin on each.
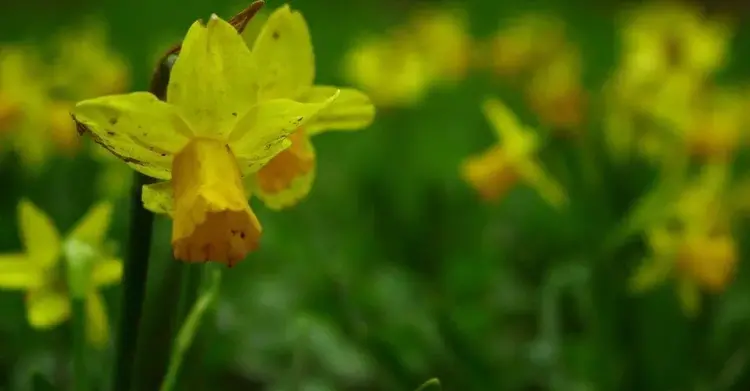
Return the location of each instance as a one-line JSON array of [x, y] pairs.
[[399, 69], [40, 83], [661, 105]]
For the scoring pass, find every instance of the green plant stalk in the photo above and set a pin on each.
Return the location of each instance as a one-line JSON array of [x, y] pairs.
[[135, 274], [189, 329], [190, 280], [190, 276], [80, 375]]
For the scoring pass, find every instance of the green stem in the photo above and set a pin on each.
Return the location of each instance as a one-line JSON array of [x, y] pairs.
[[80, 375], [134, 287], [190, 280], [190, 276], [190, 328]]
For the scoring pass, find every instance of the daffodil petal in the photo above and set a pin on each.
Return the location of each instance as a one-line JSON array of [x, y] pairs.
[[548, 188], [92, 228], [47, 308], [39, 235], [106, 272], [158, 197], [352, 110], [138, 128], [212, 82], [490, 173], [97, 323], [650, 273], [284, 54], [662, 242], [262, 133], [503, 120], [288, 177], [17, 271]]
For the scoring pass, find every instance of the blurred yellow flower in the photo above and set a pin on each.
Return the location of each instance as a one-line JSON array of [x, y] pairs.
[[62, 129], [213, 129], [442, 36], [41, 273], [24, 99], [664, 38], [525, 43], [286, 69], [391, 70], [670, 51], [511, 161], [85, 65], [718, 127], [694, 243], [556, 94]]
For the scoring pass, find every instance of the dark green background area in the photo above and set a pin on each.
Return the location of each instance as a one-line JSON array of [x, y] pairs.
[[392, 271]]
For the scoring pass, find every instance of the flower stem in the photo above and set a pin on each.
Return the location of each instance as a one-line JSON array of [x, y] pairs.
[[209, 293], [190, 280], [80, 375], [134, 287]]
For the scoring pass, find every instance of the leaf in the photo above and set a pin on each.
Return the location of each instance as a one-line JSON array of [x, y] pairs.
[[429, 383]]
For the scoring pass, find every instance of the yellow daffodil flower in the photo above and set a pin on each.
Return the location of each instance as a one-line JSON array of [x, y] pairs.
[[525, 43], [699, 260], [443, 38], [24, 99], [669, 52], [717, 128], [40, 270], [286, 69], [694, 244], [556, 94], [511, 161], [391, 70], [85, 66], [666, 37], [217, 124]]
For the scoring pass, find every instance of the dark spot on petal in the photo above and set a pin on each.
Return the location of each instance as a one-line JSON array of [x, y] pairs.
[[111, 133], [113, 121], [242, 235], [163, 154], [234, 114], [275, 35]]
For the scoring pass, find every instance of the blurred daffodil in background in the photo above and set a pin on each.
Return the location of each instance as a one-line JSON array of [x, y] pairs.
[[512, 161], [215, 127], [400, 67], [442, 37], [390, 70], [522, 44], [37, 96], [43, 269], [85, 64], [670, 53], [286, 69], [25, 103], [693, 243]]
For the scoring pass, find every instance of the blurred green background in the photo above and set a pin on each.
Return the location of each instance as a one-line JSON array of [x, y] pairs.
[[393, 271]]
